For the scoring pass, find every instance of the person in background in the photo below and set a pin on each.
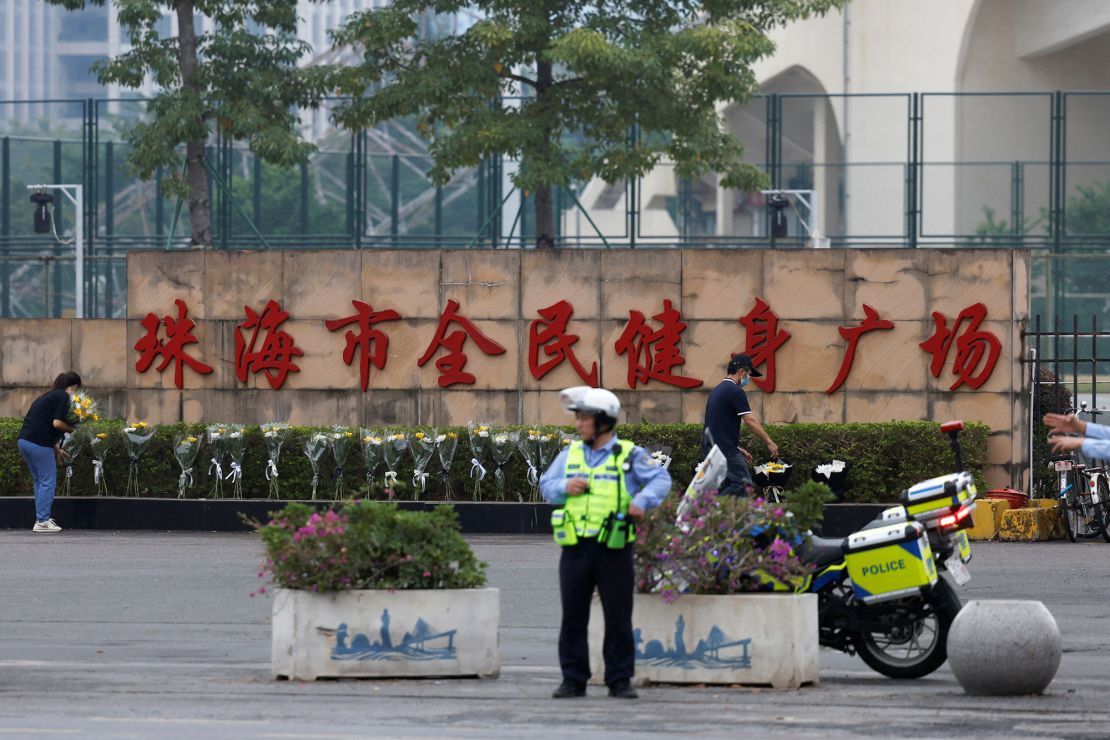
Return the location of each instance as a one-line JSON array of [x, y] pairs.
[[599, 483], [1094, 441], [725, 410], [40, 444]]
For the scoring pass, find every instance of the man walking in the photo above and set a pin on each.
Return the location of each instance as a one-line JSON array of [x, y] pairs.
[[600, 484], [725, 410]]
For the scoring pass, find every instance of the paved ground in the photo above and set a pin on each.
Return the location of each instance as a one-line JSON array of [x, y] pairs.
[[153, 634]]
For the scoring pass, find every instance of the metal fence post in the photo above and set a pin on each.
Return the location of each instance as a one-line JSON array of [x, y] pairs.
[[59, 222], [5, 224], [304, 199], [394, 199]]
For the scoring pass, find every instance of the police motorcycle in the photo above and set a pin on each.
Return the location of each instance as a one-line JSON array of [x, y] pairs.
[[880, 591]]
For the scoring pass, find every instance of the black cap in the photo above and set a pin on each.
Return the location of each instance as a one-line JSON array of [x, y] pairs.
[[743, 362]]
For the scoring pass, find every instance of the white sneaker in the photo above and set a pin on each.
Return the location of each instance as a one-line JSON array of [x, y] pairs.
[[47, 526]]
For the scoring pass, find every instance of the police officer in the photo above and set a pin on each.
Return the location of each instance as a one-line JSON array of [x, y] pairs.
[[600, 483], [725, 410]]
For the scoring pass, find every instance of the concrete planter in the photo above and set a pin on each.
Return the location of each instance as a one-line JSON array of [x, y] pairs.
[[735, 639], [386, 634]]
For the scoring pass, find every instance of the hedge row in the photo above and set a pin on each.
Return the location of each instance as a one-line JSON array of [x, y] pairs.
[[884, 459]]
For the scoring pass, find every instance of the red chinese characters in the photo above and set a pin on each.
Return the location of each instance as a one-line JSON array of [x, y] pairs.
[[762, 339], [653, 353], [976, 351], [371, 344], [549, 334], [451, 364], [871, 322], [179, 335], [274, 357]]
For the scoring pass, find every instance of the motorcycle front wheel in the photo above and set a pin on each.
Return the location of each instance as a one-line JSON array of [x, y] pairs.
[[916, 644]]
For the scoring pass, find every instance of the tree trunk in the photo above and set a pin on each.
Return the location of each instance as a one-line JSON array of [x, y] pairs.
[[200, 208], [545, 213]]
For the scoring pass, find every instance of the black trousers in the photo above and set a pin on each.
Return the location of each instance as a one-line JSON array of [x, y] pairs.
[[738, 479], [583, 567]]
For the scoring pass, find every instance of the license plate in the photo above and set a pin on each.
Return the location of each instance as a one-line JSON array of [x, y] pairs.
[[1063, 464], [956, 567]]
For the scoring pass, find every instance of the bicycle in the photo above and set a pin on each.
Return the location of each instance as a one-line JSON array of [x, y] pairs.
[[1084, 492]]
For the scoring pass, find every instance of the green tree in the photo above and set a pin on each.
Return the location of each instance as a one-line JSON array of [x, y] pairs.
[[242, 77], [580, 74]]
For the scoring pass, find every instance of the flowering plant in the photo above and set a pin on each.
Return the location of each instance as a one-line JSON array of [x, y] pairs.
[[274, 436], [217, 448], [446, 444], [392, 450], [135, 438], [99, 444], [371, 455], [367, 545], [186, 447], [82, 408], [72, 443], [479, 447], [529, 445], [341, 440], [726, 545], [422, 445], [314, 449]]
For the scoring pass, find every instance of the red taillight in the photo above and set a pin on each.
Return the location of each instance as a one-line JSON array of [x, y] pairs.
[[957, 519]]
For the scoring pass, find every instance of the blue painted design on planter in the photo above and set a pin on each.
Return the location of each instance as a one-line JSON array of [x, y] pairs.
[[715, 651], [424, 642]]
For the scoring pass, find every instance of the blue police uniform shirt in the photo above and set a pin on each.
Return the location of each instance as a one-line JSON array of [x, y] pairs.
[[1096, 442], [647, 482], [724, 410]]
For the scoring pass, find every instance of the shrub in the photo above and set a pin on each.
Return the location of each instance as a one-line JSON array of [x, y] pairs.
[[368, 545], [725, 545], [885, 458]]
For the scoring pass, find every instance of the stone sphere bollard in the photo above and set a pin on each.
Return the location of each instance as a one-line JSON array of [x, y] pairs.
[[1000, 648]]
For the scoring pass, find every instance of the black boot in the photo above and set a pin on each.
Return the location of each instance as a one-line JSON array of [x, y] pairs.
[[569, 689], [623, 690]]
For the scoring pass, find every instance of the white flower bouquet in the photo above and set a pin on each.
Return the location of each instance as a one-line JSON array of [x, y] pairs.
[[99, 444], [273, 434], [217, 448], [342, 439], [371, 456], [314, 448], [72, 444], [236, 449], [479, 447], [422, 446], [186, 447], [446, 444], [135, 438], [503, 445]]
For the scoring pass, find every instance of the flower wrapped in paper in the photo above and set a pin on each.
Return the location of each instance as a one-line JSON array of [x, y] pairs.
[[186, 447], [83, 408], [72, 444], [315, 447], [446, 444], [422, 445], [502, 445], [529, 445], [342, 439], [236, 449], [393, 450], [216, 435], [372, 445], [100, 441], [480, 443], [661, 455], [273, 434], [135, 439]]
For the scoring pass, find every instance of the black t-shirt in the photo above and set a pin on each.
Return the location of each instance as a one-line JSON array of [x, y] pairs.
[[727, 403], [38, 425]]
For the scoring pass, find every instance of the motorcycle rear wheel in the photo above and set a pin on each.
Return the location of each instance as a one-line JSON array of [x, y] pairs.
[[906, 655]]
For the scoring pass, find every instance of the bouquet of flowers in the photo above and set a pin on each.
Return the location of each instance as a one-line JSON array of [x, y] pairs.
[[82, 408], [504, 443], [341, 440], [217, 447], [186, 447], [72, 443], [236, 449], [550, 443], [99, 442], [392, 450], [446, 444], [135, 438], [529, 445], [479, 448], [371, 456], [274, 436], [661, 454], [314, 448], [422, 446]]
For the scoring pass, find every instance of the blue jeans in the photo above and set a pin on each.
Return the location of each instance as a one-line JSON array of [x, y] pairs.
[[44, 472]]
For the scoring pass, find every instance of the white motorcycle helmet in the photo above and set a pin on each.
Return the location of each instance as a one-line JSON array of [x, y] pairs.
[[603, 404]]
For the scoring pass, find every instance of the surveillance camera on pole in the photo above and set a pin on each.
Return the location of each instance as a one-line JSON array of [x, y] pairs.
[[44, 224]]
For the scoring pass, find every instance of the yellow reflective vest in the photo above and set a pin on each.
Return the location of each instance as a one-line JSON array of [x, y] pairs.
[[607, 493]]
